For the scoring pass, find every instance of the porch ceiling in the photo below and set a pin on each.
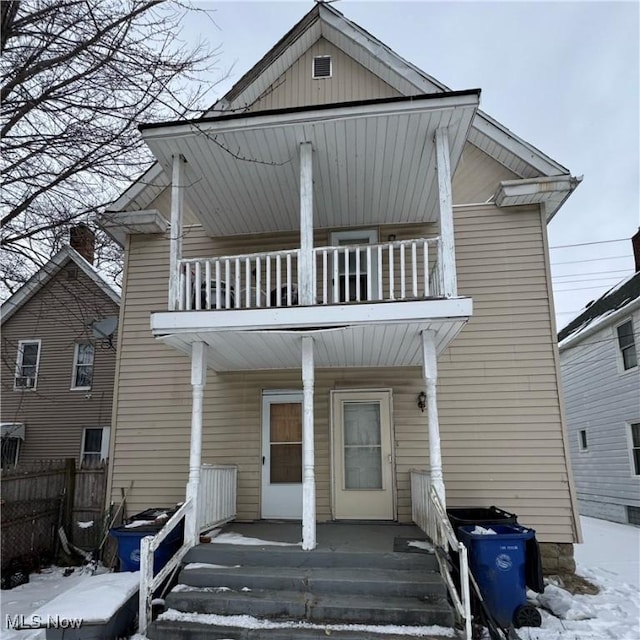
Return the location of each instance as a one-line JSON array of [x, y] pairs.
[[380, 345], [374, 162]]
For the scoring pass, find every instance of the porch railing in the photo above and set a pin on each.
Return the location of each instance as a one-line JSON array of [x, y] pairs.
[[389, 271], [428, 512], [217, 505]]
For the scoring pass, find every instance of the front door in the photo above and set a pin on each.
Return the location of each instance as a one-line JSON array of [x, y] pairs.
[[282, 455], [362, 455]]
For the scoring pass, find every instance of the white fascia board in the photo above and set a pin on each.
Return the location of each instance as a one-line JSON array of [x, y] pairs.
[[538, 189], [314, 316], [153, 175], [48, 271], [257, 122], [599, 324]]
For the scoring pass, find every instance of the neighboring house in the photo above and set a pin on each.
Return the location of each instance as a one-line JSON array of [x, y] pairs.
[[338, 275], [58, 360], [599, 354]]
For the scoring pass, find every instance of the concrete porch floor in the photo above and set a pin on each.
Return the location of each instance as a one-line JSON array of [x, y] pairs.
[[331, 536]]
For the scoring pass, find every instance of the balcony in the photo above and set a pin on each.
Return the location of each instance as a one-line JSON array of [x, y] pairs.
[[384, 272]]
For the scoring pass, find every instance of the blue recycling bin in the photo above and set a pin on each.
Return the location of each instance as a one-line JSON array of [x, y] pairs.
[[497, 562], [129, 538]]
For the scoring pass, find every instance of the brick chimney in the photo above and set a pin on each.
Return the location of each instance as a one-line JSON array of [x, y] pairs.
[[82, 239], [635, 241]]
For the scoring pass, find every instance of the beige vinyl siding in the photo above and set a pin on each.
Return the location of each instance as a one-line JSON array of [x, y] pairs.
[[350, 81], [498, 400], [54, 417]]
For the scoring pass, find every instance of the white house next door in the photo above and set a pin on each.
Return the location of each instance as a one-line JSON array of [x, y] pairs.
[[282, 455], [362, 455]]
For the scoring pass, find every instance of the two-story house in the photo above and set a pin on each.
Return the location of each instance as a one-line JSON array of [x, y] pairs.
[[601, 382], [337, 275], [58, 359]]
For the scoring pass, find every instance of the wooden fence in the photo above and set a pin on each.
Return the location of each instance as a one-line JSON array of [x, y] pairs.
[[38, 498]]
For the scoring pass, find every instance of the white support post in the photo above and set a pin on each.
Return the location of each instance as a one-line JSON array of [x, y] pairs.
[[198, 381], [305, 265], [175, 238], [308, 455], [446, 246], [430, 373]]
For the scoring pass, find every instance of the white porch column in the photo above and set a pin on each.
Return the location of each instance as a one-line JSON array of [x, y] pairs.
[[175, 239], [308, 453], [430, 372], [198, 381], [305, 264], [447, 253]]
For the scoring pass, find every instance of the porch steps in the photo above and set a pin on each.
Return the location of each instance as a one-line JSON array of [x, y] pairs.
[[320, 587]]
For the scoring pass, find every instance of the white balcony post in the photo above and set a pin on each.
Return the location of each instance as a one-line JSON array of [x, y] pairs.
[[447, 253], [430, 373], [308, 454], [198, 381], [175, 238], [305, 265]]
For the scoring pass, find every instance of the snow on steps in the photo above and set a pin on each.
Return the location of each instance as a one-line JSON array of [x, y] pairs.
[[318, 588]]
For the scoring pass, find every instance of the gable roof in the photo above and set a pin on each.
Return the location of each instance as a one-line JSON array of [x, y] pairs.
[[46, 273], [607, 309], [325, 21]]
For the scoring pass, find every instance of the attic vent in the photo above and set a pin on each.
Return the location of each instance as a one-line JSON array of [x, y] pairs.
[[72, 273], [322, 66]]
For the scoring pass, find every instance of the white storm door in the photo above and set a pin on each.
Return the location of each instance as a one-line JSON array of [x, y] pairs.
[[354, 280], [282, 455], [362, 455]]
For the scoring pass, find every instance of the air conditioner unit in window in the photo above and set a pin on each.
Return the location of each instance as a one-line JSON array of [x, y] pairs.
[[25, 382]]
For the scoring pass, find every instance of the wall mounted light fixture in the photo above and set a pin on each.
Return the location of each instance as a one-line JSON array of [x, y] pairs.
[[422, 400], [391, 237]]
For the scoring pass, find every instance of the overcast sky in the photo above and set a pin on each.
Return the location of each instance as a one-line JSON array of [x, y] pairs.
[[562, 75]]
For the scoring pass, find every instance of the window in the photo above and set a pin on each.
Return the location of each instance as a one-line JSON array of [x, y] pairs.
[[633, 515], [82, 366], [583, 444], [627, 345], [95, 444], [635, 447], [27, 364], [352, 265], [322, 67], [10, 451]]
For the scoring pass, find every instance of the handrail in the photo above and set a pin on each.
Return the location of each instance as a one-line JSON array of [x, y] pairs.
[[429, 514], [148, 582]]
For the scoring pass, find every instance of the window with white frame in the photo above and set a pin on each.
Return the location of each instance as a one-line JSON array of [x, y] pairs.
[[83, 366], [95, 444], [635, 447], [627, 345], [27, 361], [10, 452], [583, 443]]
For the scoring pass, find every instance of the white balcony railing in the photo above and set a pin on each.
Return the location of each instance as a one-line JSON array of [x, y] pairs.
[[385, 272]]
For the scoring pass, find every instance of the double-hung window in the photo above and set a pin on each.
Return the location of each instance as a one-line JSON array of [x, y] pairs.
[[95, 444], [27, 361], [83, 366], [627, 345], [635, 448]]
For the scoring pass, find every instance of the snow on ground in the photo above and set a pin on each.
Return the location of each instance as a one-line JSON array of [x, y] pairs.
[[611, 547], [238, 538], [609, 557]]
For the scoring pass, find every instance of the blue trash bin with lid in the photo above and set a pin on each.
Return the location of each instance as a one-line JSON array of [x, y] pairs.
[[497, 562]]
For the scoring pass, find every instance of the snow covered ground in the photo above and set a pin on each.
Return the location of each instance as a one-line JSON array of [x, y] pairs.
[[609, 557]]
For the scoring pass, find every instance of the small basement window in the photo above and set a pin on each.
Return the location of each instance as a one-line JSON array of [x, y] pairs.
[[582, 440], [322, 67], [633, 515]]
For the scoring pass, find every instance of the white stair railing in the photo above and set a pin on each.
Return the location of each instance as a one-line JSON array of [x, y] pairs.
[[429, 514], [216, 505]]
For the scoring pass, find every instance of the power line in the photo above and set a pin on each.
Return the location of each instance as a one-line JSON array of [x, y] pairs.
[[591, 273], [597, 286], [586, 244], [591, 260]]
